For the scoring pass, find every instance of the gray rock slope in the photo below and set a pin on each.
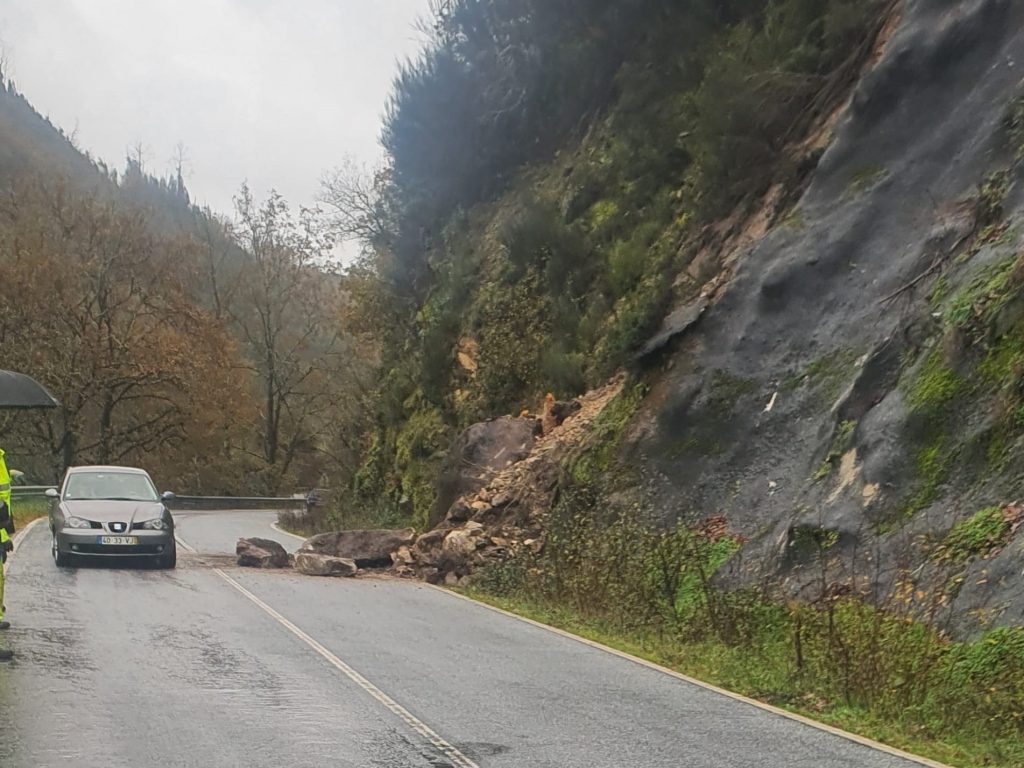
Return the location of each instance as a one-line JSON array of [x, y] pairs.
[[788, 406]]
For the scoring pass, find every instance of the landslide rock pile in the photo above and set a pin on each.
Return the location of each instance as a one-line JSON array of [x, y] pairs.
[[339, 553], [509, 491]]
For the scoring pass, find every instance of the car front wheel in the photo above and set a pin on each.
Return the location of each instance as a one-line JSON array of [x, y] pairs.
[[62, 559], [170, 558]]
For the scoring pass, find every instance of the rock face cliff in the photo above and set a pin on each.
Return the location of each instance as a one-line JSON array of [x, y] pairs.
[[846, 368], [856, 371]]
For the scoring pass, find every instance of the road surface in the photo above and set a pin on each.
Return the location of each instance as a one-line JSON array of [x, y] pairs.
[[211, 665]]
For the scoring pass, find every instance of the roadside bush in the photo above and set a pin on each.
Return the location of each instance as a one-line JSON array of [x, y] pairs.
[[609, 569], [981, 684], [513, 329], [975, 536]]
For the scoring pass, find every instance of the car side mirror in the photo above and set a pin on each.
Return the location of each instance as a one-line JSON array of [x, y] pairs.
[[167, 496], [51, 493]]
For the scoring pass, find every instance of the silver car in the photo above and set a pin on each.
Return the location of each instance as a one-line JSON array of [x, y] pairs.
[[110, 512]]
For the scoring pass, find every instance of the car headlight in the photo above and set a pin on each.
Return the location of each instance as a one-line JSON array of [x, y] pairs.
[[157, 524], [76, 522]]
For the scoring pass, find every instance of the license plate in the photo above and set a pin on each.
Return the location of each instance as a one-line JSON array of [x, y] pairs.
[[119, 541]]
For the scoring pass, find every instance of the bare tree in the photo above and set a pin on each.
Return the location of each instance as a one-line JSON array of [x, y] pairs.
[[131, 361], [137, 155], [287, 313], [180, 162], [356, 203]]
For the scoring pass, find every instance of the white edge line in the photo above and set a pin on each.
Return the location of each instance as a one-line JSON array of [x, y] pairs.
[[857, 739], [279, 529], [19, 536], [445, 748], [450, 751]]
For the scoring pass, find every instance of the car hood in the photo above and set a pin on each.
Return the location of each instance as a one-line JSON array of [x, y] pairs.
[[113, 511]]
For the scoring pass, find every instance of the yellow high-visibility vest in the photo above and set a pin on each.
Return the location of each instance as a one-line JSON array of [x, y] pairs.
[[5, 481]]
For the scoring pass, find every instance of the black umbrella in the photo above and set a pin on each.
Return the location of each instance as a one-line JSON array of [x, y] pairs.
[[20, 391]]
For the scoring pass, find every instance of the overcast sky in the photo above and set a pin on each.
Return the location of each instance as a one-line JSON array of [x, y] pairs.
[[269, 91]]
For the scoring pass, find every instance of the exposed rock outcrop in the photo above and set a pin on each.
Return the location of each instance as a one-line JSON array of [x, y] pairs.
[[812, 380]]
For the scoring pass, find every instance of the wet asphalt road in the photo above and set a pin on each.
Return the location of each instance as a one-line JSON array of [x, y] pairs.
[[210, 665]]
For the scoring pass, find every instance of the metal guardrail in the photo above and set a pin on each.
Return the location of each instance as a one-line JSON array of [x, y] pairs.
[[197, 503], [213, 503]]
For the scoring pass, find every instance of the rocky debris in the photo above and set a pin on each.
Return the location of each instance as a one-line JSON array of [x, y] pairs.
[[459, 512], [555, 413], [260, 553], [467, 355], [402, 556], [314, 564], [369, 549], [504, 513], [479, 453]]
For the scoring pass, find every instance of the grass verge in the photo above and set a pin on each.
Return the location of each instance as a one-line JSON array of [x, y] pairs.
[[28, 509], [767, 676]]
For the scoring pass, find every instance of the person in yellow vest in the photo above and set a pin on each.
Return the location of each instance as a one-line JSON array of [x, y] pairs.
[[6, 545]]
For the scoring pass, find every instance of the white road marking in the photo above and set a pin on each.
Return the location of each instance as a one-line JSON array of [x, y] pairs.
[[279, 529], [18, 537], [458, 759], [445, 748], [857, 739]]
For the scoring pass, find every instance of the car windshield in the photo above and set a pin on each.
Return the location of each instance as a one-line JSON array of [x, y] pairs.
[[121, 486]]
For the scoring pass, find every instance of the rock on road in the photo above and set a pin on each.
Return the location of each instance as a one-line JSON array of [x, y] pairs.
[[211, 665]]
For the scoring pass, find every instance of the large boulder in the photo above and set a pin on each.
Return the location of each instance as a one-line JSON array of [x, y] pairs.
[[313, 564], [369, 549], [480, 452], [261, 553]]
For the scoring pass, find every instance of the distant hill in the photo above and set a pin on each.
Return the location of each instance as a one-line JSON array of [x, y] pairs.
[[30, 142]]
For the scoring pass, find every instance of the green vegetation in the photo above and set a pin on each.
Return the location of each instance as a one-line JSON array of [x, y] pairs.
[[975, 537], [27, 509], [540, 213], [932, 466], [596, 460], [973, 308], [611, 572], [608, 575], [958, 703], [935, 386], [991, 196]]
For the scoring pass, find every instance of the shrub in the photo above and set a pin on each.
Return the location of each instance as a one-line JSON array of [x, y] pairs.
[[976, 536]]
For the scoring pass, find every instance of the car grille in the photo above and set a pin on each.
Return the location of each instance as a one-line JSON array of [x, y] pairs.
[[107, 549]]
